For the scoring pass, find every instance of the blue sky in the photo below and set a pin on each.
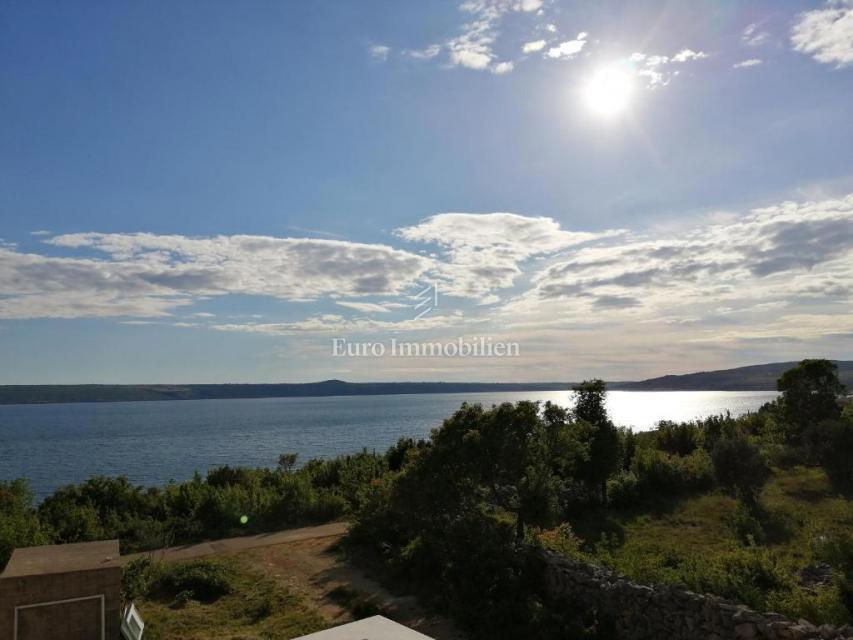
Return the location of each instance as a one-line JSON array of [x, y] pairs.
[[203, 192]]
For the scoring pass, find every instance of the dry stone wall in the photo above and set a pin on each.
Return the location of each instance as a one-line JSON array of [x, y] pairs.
[[643, 612]]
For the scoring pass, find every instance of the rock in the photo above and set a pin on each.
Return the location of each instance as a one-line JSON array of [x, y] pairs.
[[827, 632], [800, 632], [816, 575], [746, 630]]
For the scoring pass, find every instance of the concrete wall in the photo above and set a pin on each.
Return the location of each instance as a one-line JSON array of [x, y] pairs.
[[77, 620], [642, 612]]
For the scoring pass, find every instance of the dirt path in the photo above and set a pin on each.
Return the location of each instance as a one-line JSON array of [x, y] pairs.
[[311, 568], [243, 543], [304, 561]]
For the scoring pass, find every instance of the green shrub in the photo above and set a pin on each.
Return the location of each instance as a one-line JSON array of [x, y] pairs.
[[136, 579], [821, 605], [716, 428], [623, 490], [678, 438], [743, 576], [784, 456], [660, 473], [19, 522], [202, 580], [740, 468], [746, 526], [831, 444]]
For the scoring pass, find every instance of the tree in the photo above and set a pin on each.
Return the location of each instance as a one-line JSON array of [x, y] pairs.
[[740, 468], [590, 402], [287, 461], [604, 441], [810, 393], [497, 457], [567, 446], [19, 523]]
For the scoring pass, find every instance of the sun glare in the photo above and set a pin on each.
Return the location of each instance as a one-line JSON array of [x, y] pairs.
[[609, 91]]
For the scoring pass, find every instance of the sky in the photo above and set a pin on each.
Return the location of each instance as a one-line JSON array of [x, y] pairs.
[[219, 191]]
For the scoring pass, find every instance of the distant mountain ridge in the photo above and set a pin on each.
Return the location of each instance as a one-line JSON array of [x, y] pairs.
[[760, 377], [53, 393]]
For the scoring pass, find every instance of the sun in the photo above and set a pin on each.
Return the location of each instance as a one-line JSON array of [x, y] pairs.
[[608, 92]]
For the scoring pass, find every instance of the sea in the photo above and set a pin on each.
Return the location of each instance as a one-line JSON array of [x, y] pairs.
[[157, 441]]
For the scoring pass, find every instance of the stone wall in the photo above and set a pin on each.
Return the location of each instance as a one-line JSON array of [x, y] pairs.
[[641, 612]]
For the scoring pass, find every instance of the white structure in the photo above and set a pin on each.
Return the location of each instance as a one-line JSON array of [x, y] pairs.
[[132, 625], [375, 628]]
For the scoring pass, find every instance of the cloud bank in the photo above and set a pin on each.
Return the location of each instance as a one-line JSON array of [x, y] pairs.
[[778, 273]]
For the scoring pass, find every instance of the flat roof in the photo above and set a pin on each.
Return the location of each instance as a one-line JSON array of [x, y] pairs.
[[375, 628], [61, 558]]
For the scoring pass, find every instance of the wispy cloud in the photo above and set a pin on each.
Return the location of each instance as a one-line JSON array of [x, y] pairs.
[[364, 307], [473, 47], [688, 54], [752, 62], [656, 69], [826, 34], [379, 52], [334, 324], [753, 36], [569, 48], [427, 53], [533, 46]]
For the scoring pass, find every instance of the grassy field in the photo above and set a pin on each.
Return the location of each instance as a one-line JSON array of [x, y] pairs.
[[256, 607], [703, 542]]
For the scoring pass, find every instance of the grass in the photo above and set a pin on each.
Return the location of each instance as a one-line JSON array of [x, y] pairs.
[[694, 541], [251, 607], [360, 605]]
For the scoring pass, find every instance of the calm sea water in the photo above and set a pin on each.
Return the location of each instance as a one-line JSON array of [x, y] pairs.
[[154, 442]]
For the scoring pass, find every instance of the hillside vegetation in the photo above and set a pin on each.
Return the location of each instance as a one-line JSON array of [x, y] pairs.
[[756, 508], [760, 377]]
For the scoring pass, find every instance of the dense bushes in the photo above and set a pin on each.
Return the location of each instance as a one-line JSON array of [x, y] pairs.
[[19, 523], [177, 583], [201, 580], [679, 438], [740, 468], [228, 501], [831, 443], [661, 473]]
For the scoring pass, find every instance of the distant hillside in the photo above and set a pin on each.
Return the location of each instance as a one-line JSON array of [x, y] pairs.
[[759, 377], [52, 393]]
